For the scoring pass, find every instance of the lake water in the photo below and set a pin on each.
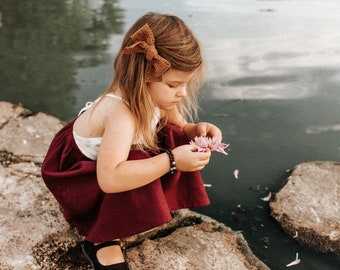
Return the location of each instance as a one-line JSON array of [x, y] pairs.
[[273, 76]]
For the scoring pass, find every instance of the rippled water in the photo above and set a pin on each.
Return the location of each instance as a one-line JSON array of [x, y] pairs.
[[273, 88]]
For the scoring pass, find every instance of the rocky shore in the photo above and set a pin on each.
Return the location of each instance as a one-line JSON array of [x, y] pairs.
[[34, 234]]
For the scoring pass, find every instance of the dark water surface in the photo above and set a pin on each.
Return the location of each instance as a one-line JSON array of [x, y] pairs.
[[273, 88]]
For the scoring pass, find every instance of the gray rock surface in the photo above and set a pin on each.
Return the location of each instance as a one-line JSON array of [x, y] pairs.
[[34, 234], [308, 206], [23, 135], [28, 214], [206, 245]]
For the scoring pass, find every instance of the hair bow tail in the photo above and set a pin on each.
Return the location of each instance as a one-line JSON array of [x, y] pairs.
[[156, 68]]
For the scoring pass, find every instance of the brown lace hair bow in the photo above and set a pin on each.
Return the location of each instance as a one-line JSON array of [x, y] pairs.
[[145, 43]]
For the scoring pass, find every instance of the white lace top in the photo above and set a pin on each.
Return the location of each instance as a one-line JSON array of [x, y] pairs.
[[89, 146]]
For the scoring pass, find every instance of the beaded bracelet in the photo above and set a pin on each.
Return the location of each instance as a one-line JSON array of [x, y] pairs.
[[173, 168]]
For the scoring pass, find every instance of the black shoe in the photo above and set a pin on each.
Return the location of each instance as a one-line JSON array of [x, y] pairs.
[[90, 251]]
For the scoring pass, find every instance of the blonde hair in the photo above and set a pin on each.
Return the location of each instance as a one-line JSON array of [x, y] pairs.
[[176, 43]]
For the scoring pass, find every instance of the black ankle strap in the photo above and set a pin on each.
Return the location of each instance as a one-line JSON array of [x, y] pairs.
[[107, 244]]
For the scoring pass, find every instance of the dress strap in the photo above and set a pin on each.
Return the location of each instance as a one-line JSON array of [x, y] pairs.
[[114, 96], [89, 104], [117, 97]]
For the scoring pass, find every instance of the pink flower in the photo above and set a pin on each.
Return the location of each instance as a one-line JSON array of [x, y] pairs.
[[204, 143]]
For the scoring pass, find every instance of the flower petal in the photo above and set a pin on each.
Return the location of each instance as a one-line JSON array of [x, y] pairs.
[[236, 172], [205, 143], [296, 234], [295, 262], [267, 198]]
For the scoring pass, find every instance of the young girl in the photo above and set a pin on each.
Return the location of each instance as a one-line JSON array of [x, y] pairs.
[[125, 162]]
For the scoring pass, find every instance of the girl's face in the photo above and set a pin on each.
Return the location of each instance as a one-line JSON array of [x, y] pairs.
[[170, 91]]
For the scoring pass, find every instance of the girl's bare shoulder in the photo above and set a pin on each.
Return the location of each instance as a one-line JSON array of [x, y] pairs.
[[117, 125], [111, 110], [107, 112]]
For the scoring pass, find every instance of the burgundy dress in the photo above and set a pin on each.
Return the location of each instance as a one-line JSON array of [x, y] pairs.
[[101, 217]]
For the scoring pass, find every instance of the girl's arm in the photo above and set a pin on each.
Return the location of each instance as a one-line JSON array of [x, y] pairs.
[[117, 174], [191, 129], [175, 117]]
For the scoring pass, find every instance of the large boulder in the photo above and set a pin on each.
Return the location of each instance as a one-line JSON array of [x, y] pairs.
[[206, 245], [190, 241], [34, 234], [308, 206]]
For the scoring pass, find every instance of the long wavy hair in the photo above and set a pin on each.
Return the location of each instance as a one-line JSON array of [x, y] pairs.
[[176, 43]]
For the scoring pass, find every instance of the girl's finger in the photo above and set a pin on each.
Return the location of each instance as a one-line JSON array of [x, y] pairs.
[[202, 129]]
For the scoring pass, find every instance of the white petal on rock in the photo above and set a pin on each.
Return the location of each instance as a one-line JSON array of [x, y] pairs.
[[296, 235]]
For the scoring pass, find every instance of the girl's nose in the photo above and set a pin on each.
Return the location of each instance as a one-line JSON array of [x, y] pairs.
[[182, 91]]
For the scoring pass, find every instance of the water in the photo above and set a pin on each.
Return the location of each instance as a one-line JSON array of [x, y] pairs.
[[273, 88]]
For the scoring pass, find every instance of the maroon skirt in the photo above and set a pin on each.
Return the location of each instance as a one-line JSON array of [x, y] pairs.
[[101, 217]]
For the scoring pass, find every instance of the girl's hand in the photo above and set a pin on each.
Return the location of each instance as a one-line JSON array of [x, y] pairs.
[[202, 129], [188, 159]]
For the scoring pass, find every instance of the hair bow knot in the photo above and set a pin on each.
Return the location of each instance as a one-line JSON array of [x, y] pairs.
[[145, 43]]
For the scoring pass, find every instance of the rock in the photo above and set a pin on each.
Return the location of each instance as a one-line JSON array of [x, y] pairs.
[[26, 136], [34, 234], [206, 245], [10, 111], [190, 241], [308, 206], [28, 214]]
